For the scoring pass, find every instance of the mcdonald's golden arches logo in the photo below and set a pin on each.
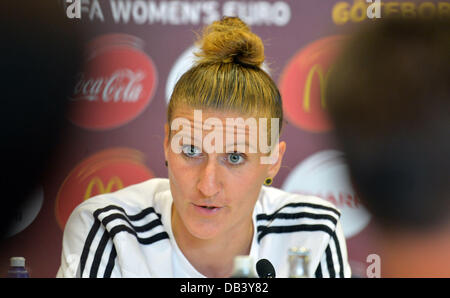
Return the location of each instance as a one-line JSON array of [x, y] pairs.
[[103, 172], [303, 84], [98, 183]]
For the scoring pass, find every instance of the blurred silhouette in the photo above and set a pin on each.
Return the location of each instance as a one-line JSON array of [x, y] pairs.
[[40, 53], [388, 96]]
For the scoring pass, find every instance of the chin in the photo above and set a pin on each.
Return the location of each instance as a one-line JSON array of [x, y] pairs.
[[204, 232]]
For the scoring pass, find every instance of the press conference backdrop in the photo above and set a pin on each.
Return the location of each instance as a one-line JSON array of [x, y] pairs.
[[136, 51]]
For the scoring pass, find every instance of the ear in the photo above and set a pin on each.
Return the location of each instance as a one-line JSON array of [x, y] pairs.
[[166, 140], [278, 154]]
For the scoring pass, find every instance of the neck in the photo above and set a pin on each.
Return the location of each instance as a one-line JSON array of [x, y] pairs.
[[213, 257], [415, 254]]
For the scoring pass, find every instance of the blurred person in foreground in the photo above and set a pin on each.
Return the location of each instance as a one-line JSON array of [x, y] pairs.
[[217, 202], [388, 97], [40, 54]]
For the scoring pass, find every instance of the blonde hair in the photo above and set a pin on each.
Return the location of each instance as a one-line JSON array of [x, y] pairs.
[[228, 74]]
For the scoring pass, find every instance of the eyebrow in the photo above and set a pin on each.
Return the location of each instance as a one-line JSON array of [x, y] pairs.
[[229, 145]]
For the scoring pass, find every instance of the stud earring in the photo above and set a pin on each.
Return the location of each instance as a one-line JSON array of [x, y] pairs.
[[166, 163], [268, 181]]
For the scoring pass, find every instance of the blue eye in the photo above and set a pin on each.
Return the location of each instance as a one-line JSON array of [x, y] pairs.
[[235, 158], [191, 151]]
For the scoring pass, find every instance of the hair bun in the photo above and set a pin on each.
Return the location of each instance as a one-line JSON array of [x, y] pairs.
[[230, 40]]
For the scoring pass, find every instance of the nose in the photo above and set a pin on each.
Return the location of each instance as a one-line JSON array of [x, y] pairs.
[[209, 184]]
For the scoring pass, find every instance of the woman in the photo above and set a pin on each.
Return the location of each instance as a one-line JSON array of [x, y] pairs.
[[214, 206]]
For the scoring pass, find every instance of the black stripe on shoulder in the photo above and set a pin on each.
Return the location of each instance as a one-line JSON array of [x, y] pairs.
[[87, 245], [111, 261], [98, 255], [295, 205], [128, 218], [107, 235], [123, 228], [133, 217], [143, 214], [339, 254], [299, 215], [147, 227], [265, 230], [318, 273], [330, 263]]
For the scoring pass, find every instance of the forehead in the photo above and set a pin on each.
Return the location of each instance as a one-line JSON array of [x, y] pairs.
[[228, 119], [188, 113]]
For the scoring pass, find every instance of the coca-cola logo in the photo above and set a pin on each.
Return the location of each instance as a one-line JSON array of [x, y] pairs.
[[117, 83], [124, 85]]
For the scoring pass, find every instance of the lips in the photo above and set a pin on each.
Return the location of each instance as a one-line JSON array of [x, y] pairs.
[[207, 209]]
